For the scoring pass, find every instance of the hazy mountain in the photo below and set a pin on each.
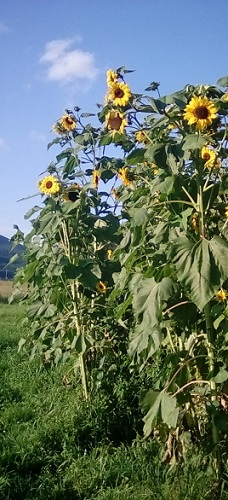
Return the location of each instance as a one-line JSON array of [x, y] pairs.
[[6, 253]]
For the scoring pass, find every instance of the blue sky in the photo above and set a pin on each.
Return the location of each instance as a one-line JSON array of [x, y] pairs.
[[54, 54]]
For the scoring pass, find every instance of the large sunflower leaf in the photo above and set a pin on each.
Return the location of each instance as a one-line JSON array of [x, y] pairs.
[[201, 267], [148, 299], [160, 407]]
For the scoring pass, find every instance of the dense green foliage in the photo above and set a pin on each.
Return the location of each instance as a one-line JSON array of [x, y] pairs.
[[56, 446], [127, 278]]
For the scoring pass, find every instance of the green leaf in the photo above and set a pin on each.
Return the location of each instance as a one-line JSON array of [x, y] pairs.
[[105, 139], [221, 376], [156, 154], [136, 156], [148, 299], [160, 407], [195, 141], [86, 115], [139, 216], [201, 267], [223, 81]]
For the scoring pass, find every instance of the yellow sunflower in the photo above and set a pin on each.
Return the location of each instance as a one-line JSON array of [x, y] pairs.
[[111, 77], [116, 122], [120, 94], [109, 253], [49, 185], [225, 97], [195, 222], [142, 137], [72, 195], [95, 178], [68, 122], [221, 295], [123, 175], [200, 112], [209, 156], [101, 287], [226, 212]]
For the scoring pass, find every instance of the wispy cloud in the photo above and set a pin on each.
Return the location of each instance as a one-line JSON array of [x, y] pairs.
[[64, 63], [3, 145], [3, 28]]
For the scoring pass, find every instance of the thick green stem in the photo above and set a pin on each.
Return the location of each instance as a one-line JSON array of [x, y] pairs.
[[78, 329], [213, 385], [75, 298]]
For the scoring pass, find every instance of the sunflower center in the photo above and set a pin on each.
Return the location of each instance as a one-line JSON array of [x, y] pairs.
[[69, 121], [206, 156], [201, 112], [115, 122], [49, 184], [119, 93]]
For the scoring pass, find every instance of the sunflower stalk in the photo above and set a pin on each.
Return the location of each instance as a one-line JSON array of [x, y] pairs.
[[77, 319]]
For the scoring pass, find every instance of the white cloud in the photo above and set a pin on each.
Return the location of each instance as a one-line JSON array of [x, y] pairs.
[[3, 145], [3, 28], [65, 64]]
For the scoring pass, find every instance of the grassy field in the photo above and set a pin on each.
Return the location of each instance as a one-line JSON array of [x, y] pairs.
[[56, 446]]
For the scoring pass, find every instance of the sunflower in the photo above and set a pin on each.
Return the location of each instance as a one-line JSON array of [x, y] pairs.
[[72, 195], [200, 111], [111, 77], [101, 287], [116, 122], [95, 178], [209, 156], [195, 222], [225, 97], [142, 137], [109, 253], [68, 122], [49, 185], [221, 295], [123, 175], [226, 212], [120, 94], [155, 168]]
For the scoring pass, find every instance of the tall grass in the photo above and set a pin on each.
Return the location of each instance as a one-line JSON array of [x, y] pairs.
[[56, 446]]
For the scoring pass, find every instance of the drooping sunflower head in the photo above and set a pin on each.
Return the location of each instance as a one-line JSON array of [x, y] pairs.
[[123, 175], [95, 178], [112, 77], [72, 194], [68, 122], [221, 295], [200, 112], [141, 136], [209, 156], [101, 287], [49, 185], [120, 94], [115, 121]]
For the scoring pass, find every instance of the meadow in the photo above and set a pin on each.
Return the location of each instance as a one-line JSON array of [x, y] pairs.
[[54, 445]]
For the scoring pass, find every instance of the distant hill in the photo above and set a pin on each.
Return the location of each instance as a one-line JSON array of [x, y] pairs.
[[6, 253]]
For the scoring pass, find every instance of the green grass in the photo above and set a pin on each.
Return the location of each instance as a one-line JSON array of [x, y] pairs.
[[56, 446]]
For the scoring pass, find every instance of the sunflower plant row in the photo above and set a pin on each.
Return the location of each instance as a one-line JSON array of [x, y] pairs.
[[136, 241]]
